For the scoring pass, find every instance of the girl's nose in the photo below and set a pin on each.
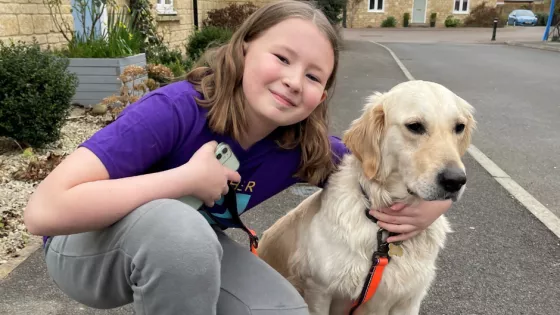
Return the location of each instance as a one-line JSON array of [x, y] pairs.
[[293, 82]]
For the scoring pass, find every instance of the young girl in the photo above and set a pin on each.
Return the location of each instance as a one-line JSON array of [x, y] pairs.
[[117, 233]]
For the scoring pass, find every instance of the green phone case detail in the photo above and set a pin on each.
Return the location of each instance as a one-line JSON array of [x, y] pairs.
[[225, 155]]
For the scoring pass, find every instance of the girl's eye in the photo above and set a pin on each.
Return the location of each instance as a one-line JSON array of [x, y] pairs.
[[314, 78], [281, 58]]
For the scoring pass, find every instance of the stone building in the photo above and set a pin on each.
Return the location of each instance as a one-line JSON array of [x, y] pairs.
[[370, 13]]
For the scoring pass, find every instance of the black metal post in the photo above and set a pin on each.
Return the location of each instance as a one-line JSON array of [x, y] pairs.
[[494, 30], [195, 13]]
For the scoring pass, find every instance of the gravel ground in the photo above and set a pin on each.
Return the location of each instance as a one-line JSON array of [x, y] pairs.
[[21, 170]]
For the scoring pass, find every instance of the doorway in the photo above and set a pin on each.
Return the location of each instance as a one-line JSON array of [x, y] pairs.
[[419, 11]]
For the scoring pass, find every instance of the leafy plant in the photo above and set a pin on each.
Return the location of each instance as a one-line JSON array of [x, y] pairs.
[[332, 9], [157, 52], [205, 38], [144, 22], [542, 18], [452, 21], [84, 10], [35, 93], [159, 73], [120, 40], [406, 19], [390, 21], [180, 68], [132, 89], [230, 17]]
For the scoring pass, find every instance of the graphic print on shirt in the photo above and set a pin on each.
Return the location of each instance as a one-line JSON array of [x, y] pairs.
[[243, 189]]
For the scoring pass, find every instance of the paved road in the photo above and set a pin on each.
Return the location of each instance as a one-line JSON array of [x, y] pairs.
[[500, 260], [515, 92]]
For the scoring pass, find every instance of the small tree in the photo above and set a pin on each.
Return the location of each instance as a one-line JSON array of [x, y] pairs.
[[331, 8]]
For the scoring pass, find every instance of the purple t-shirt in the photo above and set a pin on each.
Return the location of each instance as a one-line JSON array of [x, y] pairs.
[[166, 127]]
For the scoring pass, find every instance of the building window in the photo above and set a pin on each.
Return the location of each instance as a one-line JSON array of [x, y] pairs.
[[376, 5], [165, 7], [461, 6]]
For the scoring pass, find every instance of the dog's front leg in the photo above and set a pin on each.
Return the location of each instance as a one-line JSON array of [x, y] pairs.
[[407, 306], [317, 298]]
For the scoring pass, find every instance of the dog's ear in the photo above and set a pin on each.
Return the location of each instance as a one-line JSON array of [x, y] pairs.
[[470, 126], [363, 139]]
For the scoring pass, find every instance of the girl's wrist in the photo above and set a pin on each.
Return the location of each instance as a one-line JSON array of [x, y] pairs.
[[178, 181]]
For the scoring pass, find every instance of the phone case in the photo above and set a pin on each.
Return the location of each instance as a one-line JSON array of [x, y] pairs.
[[225, 155]]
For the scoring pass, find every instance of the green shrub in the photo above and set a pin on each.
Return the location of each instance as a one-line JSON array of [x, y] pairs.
[[406, 19], [230, 17], [205, 38], [332, 9], [452, 21], [35, 93], [542, 18], [161, 54], [389, 22]]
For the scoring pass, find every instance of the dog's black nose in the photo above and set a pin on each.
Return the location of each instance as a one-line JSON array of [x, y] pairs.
[[452, 179]]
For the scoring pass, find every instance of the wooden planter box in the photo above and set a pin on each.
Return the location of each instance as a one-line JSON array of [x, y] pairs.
[[98, 77]]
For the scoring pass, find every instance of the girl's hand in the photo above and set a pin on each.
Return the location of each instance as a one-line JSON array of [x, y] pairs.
[[207, 179], [407, 220]]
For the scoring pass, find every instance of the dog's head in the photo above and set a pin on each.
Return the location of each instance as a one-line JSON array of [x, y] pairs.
[[418, 130]]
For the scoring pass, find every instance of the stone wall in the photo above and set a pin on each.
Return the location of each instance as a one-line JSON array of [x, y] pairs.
[[25, 19], [396, 8], [176, 28]]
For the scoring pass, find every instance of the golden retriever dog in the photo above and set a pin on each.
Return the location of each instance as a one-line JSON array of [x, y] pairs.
[[406, 146]]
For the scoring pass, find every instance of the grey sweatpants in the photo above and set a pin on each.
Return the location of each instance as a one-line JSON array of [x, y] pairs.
[[167, 260]]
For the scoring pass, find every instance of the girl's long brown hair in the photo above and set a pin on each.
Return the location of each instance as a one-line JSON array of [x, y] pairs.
[[218, 76]]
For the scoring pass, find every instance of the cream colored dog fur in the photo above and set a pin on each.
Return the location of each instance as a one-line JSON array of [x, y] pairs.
[[406, 146]]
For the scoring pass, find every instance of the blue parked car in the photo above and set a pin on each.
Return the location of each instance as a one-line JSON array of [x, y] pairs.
[[522, 17]]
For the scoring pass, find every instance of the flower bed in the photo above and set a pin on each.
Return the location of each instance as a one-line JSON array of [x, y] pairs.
[[21, 171]]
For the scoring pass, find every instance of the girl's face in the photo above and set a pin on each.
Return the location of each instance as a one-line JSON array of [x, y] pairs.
[[286, 70]]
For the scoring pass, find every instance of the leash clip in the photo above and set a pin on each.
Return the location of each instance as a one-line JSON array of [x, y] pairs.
[[382, 245], [253, 240]]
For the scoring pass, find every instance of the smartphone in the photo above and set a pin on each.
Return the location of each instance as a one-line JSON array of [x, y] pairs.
[[225, 155]]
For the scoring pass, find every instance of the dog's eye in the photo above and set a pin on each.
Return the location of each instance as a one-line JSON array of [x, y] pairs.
[[459, 128], [416, 128]]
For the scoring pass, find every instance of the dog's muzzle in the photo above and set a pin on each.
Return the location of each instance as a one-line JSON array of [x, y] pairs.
[[451, 179]]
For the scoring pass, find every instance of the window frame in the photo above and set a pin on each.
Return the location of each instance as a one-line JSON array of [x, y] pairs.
[[376, 4], [163, 8], [461, 4]]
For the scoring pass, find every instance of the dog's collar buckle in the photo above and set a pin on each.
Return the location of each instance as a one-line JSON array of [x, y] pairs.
[[382, 245]]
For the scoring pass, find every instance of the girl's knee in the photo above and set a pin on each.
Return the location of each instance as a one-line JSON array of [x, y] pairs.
[[170, 230]]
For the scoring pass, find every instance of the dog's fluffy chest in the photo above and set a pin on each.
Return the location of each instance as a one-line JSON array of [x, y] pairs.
[[341, 240]]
